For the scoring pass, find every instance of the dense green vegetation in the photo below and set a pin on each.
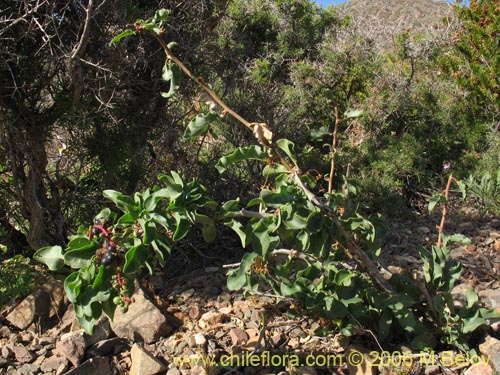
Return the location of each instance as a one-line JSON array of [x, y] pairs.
[[345, 125]]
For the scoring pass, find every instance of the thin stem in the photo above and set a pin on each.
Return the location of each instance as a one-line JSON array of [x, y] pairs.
[[445, 211], [333, 150]]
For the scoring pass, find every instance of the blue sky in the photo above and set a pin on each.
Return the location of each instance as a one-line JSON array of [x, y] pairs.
[[337, 2]]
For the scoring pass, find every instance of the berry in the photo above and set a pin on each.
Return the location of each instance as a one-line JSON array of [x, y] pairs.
[[107, 259], [117, 300], [97, 222], [111, 249], [95, 231]]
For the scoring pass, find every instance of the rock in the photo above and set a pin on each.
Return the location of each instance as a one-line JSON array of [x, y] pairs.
[[58, 301], [53, 363], [302, 370], [34, 308], [466, 227], [211, 318], [105, 347], [495, 223], [102, 331], [432, 370], [94, 366], [72, 346], [458, 293], [423, 230], [490, 297], [144, 363], [143, 322], [496, 245], [195, 312], [491, 350], [359, 361], [479, 369], [199, 339], [238, 336], [495, 235], [27, 369], [173, 371], [22, 354]]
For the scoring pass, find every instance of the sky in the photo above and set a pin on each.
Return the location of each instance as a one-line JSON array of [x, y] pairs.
[[331, 2]]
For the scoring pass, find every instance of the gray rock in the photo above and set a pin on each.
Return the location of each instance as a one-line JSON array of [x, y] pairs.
[[491, 349], [94, 366], [423, 230], [490, 297], [143, 322], [105, 347], [72, 346], [144, 363], [102, 331], [34, 308], [22, 354], [53, 363], [480, 369], [173, 371], [466, 227]]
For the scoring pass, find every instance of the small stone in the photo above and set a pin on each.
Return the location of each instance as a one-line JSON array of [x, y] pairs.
[[432, 370], [173, 371], [423, 230], [94, 366], [496, 245], [491, 297], [495, 235], [210, 319], [22, 354], [46, 340], [144, 363], [495, 223], [200, 339], [195, 312], [479, 369], [187, 293], [72, 346], [5, 352], [465, 227], [238, 336], [143, 322], [105, 347], [53, 363], [212, 269], [226, 310], [491, 349]]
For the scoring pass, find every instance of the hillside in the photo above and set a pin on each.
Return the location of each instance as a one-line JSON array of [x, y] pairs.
[[380, 20]]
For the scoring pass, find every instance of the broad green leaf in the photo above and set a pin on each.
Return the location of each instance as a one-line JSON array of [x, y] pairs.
[[122, 35], [473, 323], [72, 286], [51, 256], [439, 198], [471, 297], [319, 134], [239, 229], [80, 258], [183, 226], [199, 125], [314, 222], [124, 202], [353, 113], [135, 258], [288, 147], [171, 73], [161, 15], [237, 278], [208, 227], [81, 243], [241, 153], [344, 278], [457, 238], [290, 290]]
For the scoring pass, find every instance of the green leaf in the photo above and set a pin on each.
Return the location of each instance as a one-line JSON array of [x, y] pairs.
[[288, 147], [80, 258], [241, 153], [183, 226], [51, 256], [72, 286], [171, 73], [237, 278], [424, 341], [290, 290], [353, 113], [439, 198], [319, 134], [199, 125], [81, 243], [239, 229], [457, 238], [471, 324], [135, 258], [122, 35], [124, 202], [471, 297]]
